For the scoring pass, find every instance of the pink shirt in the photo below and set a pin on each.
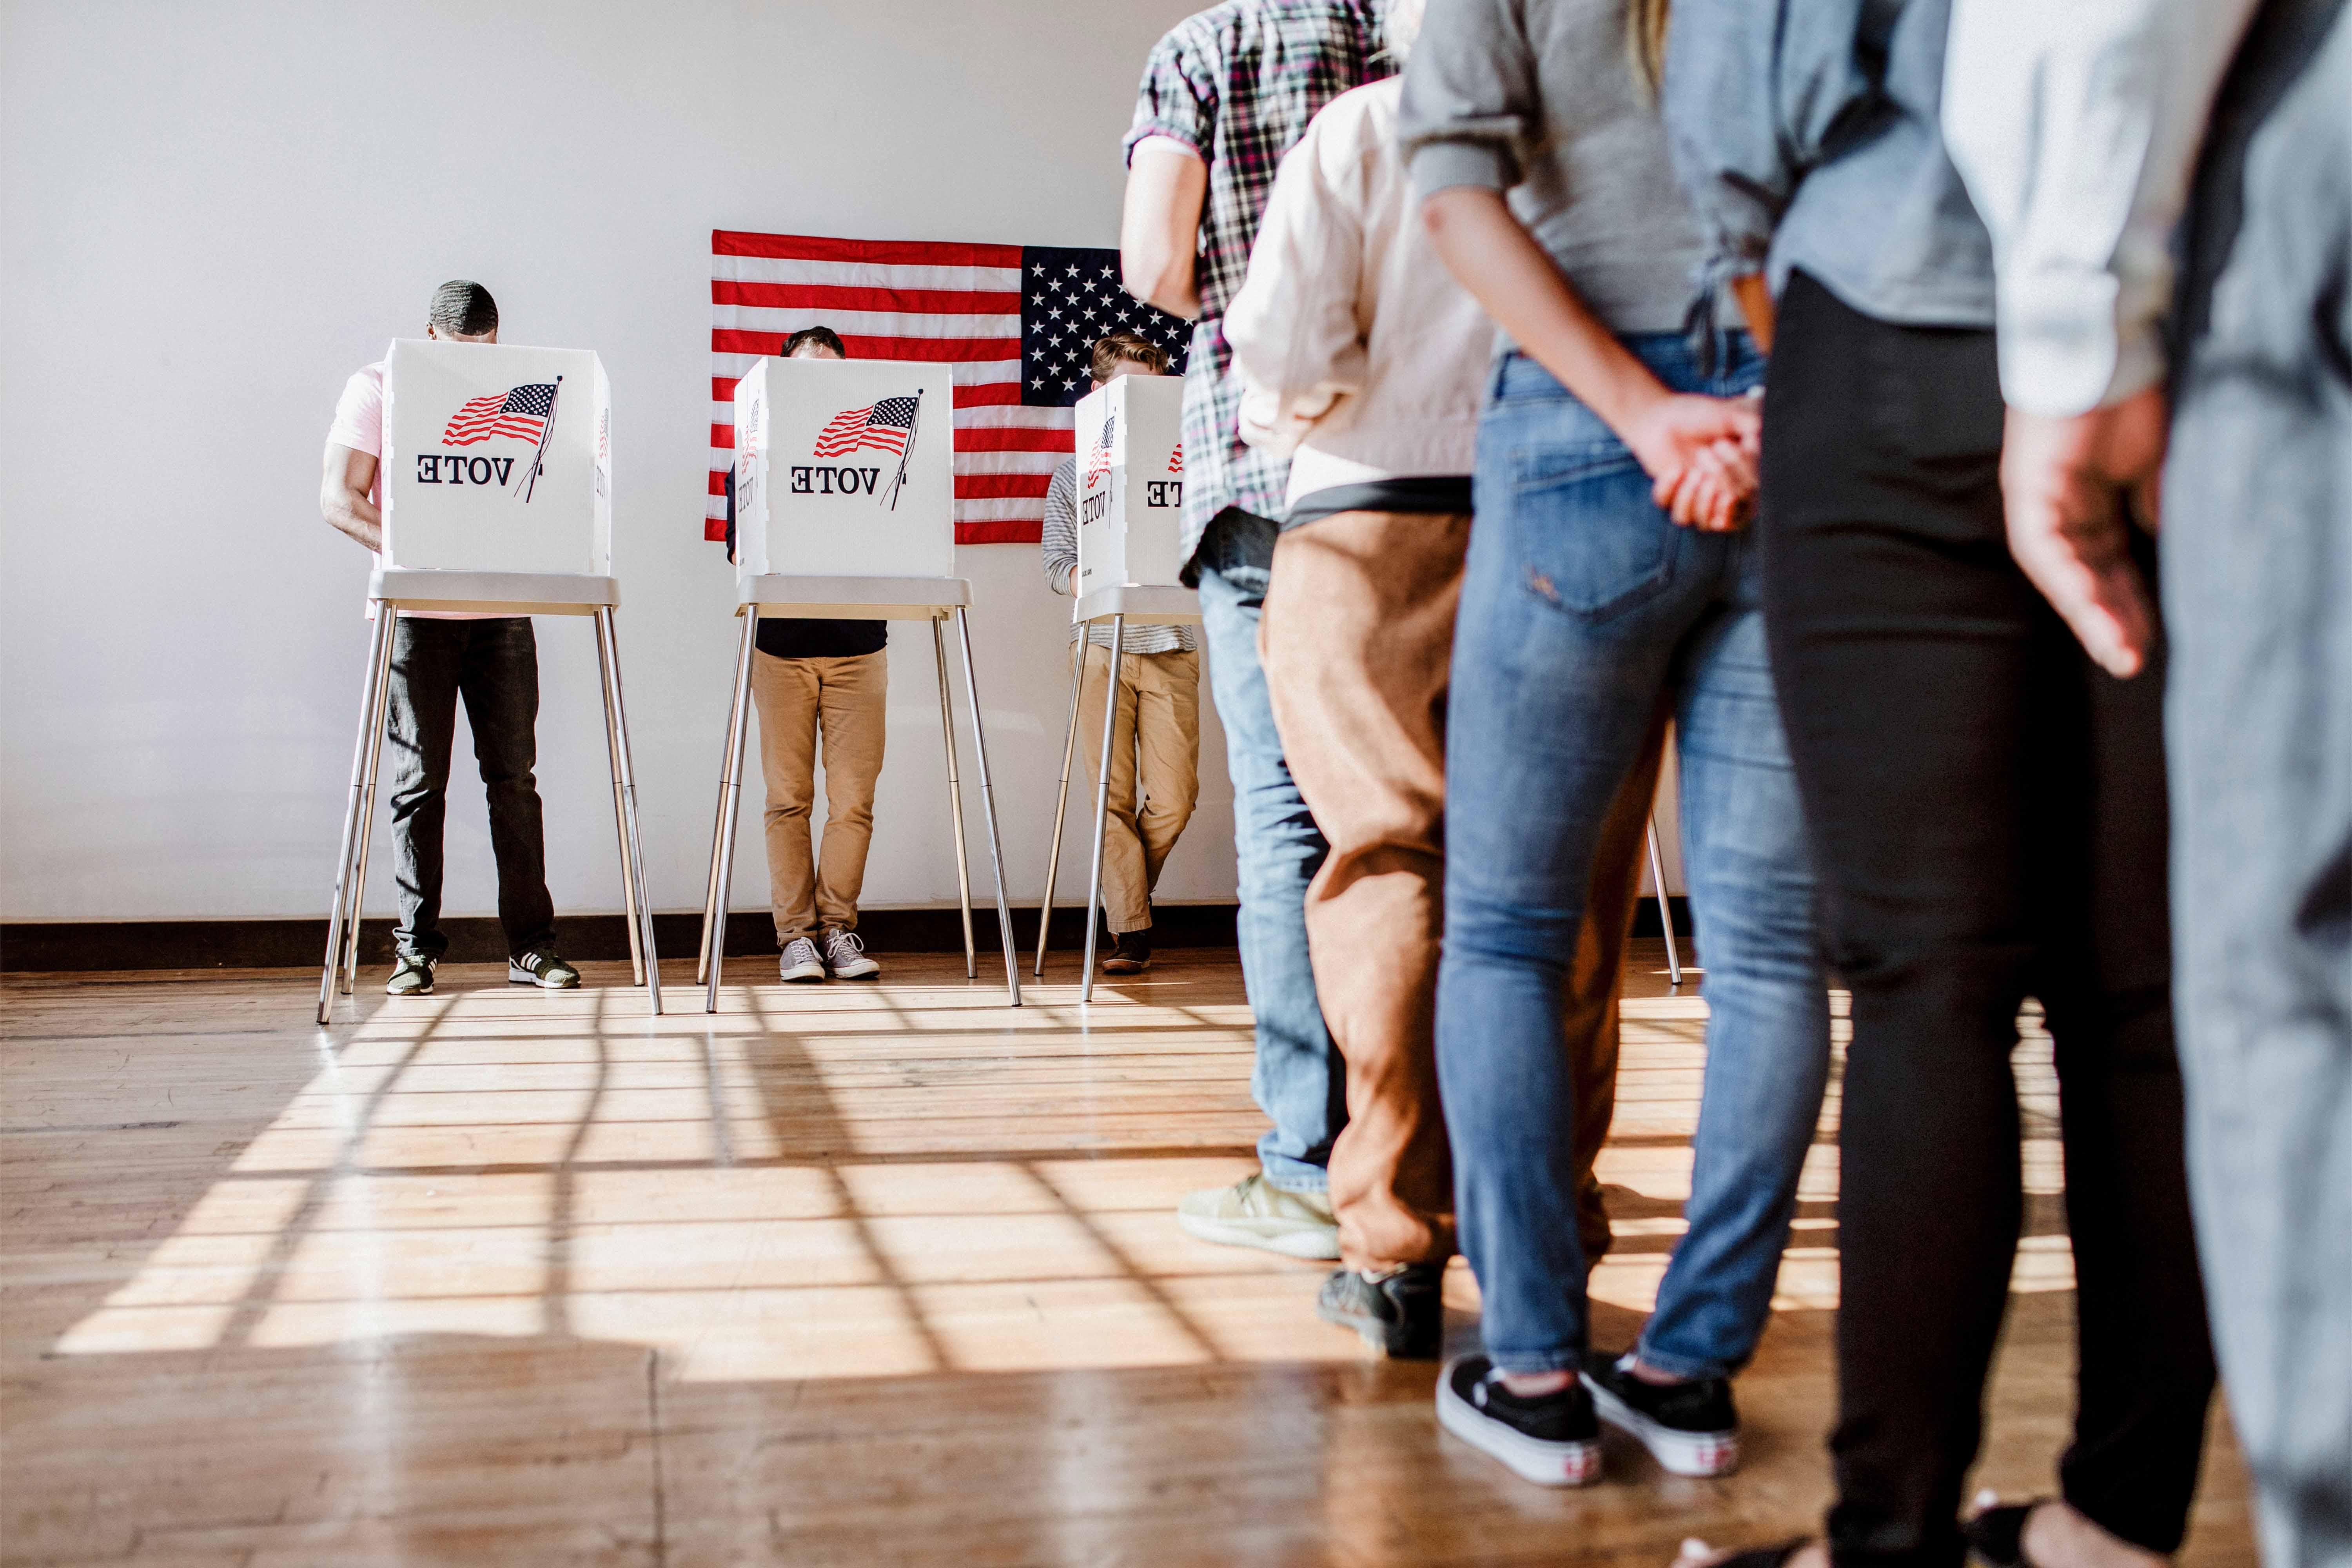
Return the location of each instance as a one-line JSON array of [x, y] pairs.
[[359, 425]]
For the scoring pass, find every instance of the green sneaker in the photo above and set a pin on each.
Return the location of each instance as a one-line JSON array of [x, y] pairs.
[[411, 976], [541, 968], [1253, 1212]]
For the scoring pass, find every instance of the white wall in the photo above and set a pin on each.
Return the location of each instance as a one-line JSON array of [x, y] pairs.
[[210, 213]]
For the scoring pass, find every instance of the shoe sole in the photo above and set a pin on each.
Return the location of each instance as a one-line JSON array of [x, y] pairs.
[[514, 979], [804, 973], [854, 971], [1299, 1241], [1114, 966], [420, 991], [1530, 1459], [1700, 1454], [1390, 1339]]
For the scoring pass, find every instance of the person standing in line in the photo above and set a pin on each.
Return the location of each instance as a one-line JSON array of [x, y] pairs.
[[2079, 131], [1224, 94], [1609, 578], [1363, 362], [492, 661], [1987, 806], [1157, 731], [811, 678]]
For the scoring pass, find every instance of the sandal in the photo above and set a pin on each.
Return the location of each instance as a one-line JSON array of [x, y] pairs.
[[1998, 1534]]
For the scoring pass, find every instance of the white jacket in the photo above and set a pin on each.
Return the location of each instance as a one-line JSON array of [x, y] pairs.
[[1356, 351]]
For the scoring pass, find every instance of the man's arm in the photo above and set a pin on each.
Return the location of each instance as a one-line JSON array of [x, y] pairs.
[[1159, 225], [1057, 539], [343, 495], [2076, 130]]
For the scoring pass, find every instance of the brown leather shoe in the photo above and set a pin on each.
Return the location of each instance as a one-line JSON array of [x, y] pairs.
[[1131, 952]]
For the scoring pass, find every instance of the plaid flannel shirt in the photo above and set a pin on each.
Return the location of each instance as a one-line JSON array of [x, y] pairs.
[[1237, 84]]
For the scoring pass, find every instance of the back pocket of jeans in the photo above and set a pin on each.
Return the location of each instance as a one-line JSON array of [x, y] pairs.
[[1590, 539]]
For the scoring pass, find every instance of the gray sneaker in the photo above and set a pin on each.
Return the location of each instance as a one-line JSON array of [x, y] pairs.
[[1253, 1212], [543, 968], [411, 976], [800, 961], [846, 955]]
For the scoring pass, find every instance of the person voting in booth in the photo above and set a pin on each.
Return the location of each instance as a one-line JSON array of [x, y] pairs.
[[492, 661], [810, 679], [1158, 729]]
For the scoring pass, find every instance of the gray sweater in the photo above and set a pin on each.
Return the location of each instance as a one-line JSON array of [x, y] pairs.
[[1537, 98]]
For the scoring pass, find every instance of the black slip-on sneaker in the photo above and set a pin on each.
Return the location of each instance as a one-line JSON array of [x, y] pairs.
[[1690, 1427], [1401, 1313], [1552, 1439], [411, 976], [543, 968]]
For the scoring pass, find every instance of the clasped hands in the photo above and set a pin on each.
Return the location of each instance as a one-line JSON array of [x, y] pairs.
[[1701, 456]]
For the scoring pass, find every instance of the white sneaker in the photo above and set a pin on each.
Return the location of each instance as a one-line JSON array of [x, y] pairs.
[[800, 961], [845, 955], [1253, 1212]]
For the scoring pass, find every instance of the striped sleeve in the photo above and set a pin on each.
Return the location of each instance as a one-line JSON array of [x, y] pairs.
[[1058, 538]]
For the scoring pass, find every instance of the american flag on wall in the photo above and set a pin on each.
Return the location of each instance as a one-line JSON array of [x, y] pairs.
[[1017, 321]]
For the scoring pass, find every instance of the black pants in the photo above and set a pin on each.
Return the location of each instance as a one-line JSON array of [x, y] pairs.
[[1988, 810], [494, 663]]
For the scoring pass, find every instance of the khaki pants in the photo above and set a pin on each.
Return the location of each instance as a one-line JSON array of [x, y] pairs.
[[845, 700], [1160, 722], [1357, 640]]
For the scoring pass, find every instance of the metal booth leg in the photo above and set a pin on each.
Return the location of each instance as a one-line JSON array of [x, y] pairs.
[[710, 896], [367, 807], [1666, 911], [988, 809], [955, 796], [1062, 801], [633, 859], [620, 818], [1102, 801], [731, 790], [331, 964]]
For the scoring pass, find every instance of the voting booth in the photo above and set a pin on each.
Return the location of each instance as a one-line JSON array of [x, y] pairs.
[[1130, 483], [497, 458], [497, 480], [1130, 492], [844, 508]]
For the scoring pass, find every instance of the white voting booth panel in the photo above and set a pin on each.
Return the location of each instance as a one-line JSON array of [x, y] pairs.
[[1130, 482], [845, 467], [497, 457]]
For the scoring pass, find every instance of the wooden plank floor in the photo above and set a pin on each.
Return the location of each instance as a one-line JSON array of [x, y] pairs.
[[841, 1276]]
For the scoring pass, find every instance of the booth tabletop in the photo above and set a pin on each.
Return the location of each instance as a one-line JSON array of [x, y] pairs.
[[853, 598], [1143, 606], [496, 592]]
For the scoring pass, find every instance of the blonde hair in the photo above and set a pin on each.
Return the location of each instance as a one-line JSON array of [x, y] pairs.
[[1646, 43], [1399, 26]]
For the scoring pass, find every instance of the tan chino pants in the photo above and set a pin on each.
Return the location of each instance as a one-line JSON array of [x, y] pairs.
[[844, 701], [1357, 637], [1155, 733]]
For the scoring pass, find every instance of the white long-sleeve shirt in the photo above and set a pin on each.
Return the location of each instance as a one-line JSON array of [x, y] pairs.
[[2076, 125], [1356, 351]]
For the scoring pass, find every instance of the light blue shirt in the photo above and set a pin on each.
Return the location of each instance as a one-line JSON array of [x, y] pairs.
[[1806, 133]]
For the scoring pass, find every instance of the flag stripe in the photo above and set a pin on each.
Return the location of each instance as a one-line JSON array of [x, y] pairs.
[[840, 297], [930, 350], [913, 253]]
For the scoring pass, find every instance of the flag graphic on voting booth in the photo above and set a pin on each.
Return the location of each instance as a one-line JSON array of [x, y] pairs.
[[497, 457], [834, 476], [1131, 484]]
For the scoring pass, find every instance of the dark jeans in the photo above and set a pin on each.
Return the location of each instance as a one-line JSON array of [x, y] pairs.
[[1987, 810], [494, 663]]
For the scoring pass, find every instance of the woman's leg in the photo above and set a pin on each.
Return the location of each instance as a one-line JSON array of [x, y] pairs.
[[1903, 646], [1577, 592], [1768, 1033]]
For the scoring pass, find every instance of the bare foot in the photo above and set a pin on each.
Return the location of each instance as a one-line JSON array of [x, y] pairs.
[[2059, 1535], [1697, 1553]]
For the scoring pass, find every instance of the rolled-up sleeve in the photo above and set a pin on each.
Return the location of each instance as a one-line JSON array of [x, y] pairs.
[[1753, 94], [2075, 128], [1470, 114], [1178, 98]]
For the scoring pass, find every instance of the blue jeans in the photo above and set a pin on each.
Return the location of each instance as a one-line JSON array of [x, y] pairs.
[[1298, 1080], [1585, 609]]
